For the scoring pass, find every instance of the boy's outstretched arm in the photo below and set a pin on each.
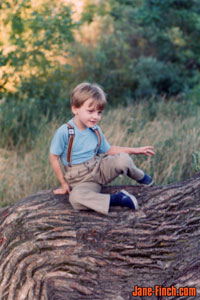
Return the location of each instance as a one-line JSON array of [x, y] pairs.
[[55, 163], [147, 150]]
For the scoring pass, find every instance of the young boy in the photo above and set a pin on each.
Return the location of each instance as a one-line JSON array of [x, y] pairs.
[[88, 159]]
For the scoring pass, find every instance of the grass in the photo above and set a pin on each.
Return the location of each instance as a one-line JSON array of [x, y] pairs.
[[173, 130], [171, 127]]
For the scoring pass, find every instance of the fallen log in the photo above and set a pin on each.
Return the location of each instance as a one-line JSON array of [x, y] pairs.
[[48, 251]]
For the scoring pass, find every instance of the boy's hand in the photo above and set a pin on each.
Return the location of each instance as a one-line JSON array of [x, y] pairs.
[[148, 150], [63, 190]]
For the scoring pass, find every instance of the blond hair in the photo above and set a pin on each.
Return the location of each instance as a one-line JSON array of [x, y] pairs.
[[85, 91]]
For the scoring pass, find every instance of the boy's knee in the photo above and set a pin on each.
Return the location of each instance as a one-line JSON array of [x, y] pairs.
[[124, 160], [74, 199]]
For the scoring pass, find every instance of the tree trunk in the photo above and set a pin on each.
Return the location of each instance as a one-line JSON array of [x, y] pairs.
[[49, 251]]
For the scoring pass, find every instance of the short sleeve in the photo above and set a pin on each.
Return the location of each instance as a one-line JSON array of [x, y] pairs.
[[105, 146], [59, 141]]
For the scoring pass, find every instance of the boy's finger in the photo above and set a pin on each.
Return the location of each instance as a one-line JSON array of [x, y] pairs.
[[149, 152], [59, 192]]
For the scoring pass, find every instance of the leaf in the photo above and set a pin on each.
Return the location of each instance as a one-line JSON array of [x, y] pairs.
[[17, 24]]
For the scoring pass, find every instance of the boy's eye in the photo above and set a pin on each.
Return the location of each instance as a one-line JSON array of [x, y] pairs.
[[92, 110]]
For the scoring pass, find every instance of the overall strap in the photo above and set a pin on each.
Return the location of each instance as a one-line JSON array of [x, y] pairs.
[[96, 130], [71, 134]]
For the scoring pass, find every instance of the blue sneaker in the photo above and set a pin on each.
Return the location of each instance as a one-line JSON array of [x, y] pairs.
[[129, 200], [146, 180]]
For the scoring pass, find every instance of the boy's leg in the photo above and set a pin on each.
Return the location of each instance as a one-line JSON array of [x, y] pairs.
[[113, 165], [86, 195]]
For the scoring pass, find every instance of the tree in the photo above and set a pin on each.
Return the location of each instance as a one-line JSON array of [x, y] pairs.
[[153, 48], [49, 251], [34, 70], [36, 37]]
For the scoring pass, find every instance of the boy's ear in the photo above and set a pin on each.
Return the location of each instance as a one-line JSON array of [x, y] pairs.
[[74, 109]]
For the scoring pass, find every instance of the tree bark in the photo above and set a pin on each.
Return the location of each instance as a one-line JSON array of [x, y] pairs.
[[49, 251]]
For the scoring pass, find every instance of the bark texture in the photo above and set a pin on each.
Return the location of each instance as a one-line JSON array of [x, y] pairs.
[[48, 251]]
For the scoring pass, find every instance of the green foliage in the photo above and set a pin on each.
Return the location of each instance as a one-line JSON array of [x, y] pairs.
[[196, 161], [38, 36], [193, 94], [149, 52], [20, 123], [50, 93], [172, 28], [106, 64], [146, 48], [156, 78], [88, 14]]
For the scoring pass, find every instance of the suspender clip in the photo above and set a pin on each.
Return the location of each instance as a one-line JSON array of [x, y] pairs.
[[71, 131]]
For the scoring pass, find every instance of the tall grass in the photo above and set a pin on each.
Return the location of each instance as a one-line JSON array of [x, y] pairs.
[[26, 173], [171, 127]]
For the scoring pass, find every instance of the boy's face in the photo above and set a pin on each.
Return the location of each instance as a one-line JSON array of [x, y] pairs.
[[87, 115]]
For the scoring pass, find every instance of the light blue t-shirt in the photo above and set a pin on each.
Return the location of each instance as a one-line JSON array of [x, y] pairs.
[[84, 146]]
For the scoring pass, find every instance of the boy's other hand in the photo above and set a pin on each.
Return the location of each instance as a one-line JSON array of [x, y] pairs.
[[62, 190], [147, 150]]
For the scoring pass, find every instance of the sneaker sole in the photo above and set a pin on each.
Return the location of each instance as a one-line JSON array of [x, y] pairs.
[[132, 198], [150, 184]]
